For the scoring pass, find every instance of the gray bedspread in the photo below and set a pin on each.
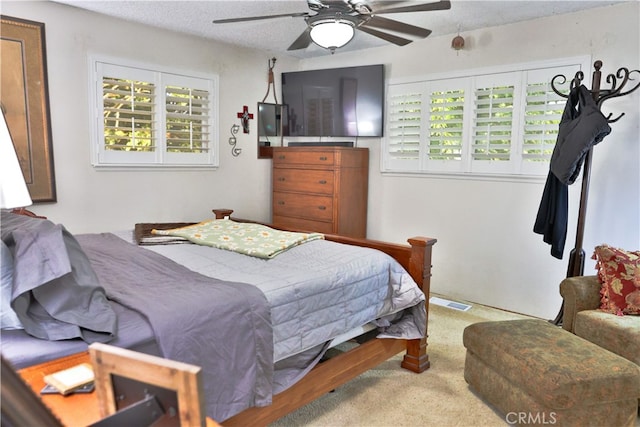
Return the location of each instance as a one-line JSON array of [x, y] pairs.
[[318, 291], [222, 326]]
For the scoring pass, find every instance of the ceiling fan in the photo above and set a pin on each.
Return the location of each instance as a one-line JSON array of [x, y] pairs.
[[331, 24]]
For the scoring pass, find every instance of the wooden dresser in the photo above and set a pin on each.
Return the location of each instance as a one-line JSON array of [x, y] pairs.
[[323, 189]]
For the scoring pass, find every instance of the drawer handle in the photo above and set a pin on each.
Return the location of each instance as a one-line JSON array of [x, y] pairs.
[[280, 202], [322, 208], [323, 158], [281, 157], [281, 179], [322, 181]]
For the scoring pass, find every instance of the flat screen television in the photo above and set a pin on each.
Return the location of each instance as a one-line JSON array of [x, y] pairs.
[[342, 102]]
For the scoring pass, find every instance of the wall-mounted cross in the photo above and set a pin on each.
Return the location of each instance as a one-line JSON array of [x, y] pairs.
[[245, 116]]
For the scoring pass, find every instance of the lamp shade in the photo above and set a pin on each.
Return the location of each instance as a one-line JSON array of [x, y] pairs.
[[332, 33], [13, 188]]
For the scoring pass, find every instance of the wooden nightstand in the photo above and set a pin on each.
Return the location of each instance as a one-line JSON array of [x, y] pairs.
[[72, 410], [75, 409]]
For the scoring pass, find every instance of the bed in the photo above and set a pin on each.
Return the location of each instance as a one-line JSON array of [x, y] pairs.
[[274, 344]]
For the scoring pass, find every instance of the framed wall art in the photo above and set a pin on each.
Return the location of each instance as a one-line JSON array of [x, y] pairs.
[[24, 98]]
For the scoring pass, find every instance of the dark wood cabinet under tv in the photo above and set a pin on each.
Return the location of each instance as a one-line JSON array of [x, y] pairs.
[[322, 189]]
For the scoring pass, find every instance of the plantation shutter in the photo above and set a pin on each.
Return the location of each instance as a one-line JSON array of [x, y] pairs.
[[492, 130], [543, 112], [446, 122], [542, 115], [186, 120], [404, 126], [496, 112], [188, 108], [490, 123], [154, 118], [129, 116], [446, 115], [127, 125]]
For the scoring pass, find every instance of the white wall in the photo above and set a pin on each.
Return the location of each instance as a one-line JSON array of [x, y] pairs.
[[91, 200], [486, 251]]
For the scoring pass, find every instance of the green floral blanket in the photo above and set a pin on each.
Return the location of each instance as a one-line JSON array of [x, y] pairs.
[[246, 238]]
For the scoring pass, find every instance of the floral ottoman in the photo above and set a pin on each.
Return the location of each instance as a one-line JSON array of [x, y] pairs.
[[538, 374]]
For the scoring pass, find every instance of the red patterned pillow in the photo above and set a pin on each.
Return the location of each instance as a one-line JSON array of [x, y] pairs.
[[619, 273]]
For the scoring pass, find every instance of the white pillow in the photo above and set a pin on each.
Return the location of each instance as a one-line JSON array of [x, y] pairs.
[[8, 317]]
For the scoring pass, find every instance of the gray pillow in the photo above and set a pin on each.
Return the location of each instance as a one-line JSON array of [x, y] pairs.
[[8, 317], [56, 294]]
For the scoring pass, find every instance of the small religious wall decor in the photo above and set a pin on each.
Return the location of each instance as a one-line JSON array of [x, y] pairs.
[[244, 117], [233, 141]]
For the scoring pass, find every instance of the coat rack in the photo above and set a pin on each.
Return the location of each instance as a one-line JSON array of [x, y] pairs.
[[617, 83]]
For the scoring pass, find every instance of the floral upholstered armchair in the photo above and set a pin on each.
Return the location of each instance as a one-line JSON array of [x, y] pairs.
[[605, 308]]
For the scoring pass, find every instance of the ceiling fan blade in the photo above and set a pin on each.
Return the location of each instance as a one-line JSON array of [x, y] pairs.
[[363, 7], [375, 5], [424, 7], [396, 26], [303, 41], [256, 18], [400, 41]]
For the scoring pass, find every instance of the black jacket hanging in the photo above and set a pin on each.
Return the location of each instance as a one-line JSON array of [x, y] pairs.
[[582, 126], [551, 221]]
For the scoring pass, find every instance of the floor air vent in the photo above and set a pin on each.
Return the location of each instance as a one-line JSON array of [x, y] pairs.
[[449, 304]]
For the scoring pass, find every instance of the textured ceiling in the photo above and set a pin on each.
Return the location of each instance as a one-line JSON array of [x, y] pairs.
[[276, 35]]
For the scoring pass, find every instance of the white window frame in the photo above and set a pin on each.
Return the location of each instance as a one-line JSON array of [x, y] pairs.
[[518, 75], [160, 77]]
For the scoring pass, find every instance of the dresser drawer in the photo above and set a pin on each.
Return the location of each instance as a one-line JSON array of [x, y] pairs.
[[301, 180], [292, 157], [303, 224], [303, 206]]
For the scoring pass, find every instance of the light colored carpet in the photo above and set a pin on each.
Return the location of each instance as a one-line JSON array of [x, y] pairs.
[[391, 396]]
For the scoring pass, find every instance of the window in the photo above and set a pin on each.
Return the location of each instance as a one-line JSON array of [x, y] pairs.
[[503, 122], [147, 117]]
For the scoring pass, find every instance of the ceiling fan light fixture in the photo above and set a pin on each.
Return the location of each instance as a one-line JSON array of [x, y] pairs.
[[332, 33]]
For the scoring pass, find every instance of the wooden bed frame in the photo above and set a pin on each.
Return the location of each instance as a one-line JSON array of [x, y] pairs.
[[332, 373]]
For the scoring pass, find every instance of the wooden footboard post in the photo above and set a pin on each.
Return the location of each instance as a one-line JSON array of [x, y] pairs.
[[416, 359]]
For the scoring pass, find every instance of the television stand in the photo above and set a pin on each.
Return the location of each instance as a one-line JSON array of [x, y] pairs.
[[321, 144]]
